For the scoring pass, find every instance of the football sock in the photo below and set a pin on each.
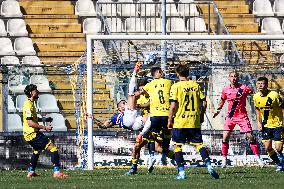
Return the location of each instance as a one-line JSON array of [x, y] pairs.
[[204, 154], [33, 162], [151, 146], [55, 159], [280, 156], [181, 169], [179, 156], [254, 148], [225, 148], [134, 164], [273, 155], [166, 140], [132, 84]]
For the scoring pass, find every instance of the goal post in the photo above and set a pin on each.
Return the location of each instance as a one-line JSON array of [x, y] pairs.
[[90, 41]]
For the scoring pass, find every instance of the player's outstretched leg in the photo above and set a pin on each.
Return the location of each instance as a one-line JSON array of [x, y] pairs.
[[273, 155], [33, 164], [205, 157]]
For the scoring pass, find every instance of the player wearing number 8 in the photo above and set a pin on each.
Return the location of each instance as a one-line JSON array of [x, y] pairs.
[[269, 110], [185, 98], [159, 94]]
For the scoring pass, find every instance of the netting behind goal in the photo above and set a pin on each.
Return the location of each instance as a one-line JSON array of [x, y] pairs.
[[209, 62]]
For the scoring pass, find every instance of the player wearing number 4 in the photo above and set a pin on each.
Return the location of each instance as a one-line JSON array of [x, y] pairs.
[[269, 111], [184, 118], [236, 94]]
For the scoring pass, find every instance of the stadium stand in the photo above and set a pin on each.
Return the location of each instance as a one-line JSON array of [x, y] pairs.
[[58, 122], [47, 103], [2, 28], [20, 99], [14, 123], [11, 105], [6, 48], [17, 27]]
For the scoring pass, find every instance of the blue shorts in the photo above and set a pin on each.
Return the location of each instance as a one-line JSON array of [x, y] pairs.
[[158, 123], [40, 142], [276, 134], [187, 135]]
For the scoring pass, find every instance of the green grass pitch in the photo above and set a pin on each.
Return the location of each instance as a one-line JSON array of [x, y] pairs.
[[230, 178]]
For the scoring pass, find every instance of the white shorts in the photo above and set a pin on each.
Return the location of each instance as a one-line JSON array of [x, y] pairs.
[[131, 121]]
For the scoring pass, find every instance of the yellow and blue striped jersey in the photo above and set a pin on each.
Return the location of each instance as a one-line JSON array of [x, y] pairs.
[[29, 113], [270, 107], [159, 92], [187, 95]]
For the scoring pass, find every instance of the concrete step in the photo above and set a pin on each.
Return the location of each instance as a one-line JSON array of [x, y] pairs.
[[226, 9], [59, 35], [43, 16], [28, 3], [48, 9], [55, 20], [62, 47], [54, 28], [58, 60], [58, 40], [226, 2], [242, 27], [57, 54], [232, 18]]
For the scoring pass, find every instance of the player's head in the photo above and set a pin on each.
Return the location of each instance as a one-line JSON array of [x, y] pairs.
[[157, 72], [31, 91], [182, 71], [262, 84], [234, 77], [141, 83], [121, 105]]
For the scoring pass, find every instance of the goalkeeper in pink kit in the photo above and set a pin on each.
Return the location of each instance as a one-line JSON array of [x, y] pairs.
[[236, 94]]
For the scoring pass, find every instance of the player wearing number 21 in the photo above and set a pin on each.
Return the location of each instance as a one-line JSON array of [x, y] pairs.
[[184, 118], [269, 110]]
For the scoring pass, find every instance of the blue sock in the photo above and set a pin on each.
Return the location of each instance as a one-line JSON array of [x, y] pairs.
[[280, 156], [55, 169], [181, 168], [31, 169]]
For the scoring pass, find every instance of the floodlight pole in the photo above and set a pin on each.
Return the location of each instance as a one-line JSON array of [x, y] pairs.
[[164, 42], [90, 153]]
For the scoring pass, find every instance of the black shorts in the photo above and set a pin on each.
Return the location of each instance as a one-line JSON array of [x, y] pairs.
[[187, 135], [40, 142], [276, 134], [158, 123]]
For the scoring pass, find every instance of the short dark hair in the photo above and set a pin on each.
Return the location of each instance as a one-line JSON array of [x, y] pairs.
[[262, 79], [29, 88], [182, 70], [155, 69], [117, 105]]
